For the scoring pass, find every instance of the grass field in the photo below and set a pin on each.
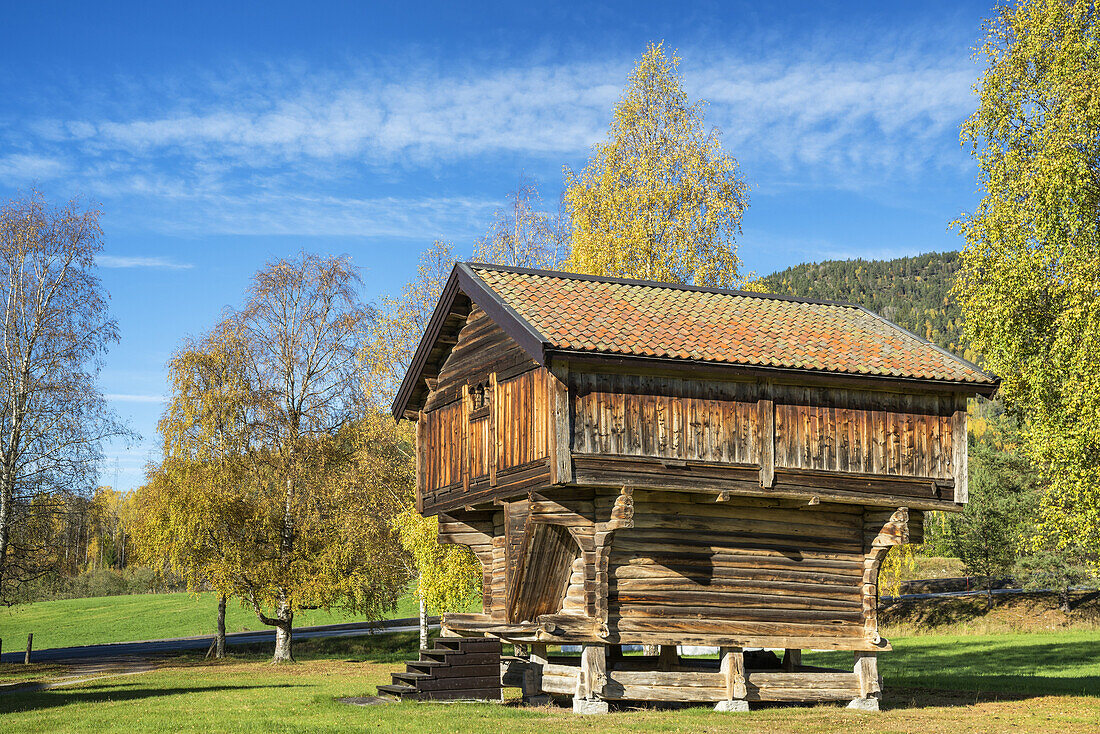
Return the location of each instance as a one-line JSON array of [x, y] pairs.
[[1034, 683], [102, 619]]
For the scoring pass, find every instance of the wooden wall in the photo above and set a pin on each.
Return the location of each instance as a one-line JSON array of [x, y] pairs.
[[693, 567], [826, 429], [470, 448], [658, 567]]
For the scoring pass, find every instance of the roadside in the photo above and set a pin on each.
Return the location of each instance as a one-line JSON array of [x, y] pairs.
[[66, 666]]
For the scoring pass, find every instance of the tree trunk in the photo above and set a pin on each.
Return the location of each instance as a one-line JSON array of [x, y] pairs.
[[1064, 598], [423, 623], [988, 594], [284, 619], [219, 650], [5, 524]]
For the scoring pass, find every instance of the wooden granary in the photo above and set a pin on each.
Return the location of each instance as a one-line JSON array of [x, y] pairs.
[[644, 463]]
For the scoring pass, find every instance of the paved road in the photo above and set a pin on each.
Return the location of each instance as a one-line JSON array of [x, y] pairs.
[[148, 648], [972, 592]]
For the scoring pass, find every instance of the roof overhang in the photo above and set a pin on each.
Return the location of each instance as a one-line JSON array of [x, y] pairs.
[[463, 281], [727, 370]]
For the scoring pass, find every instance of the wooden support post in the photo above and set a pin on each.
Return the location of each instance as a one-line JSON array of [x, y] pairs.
[[866, 669], [590, 682], [561, 434], [532, 677], [792, 658], [496, 443], [767, 446], [669, 658], [733, 668], [959, 454], [27, 657], [464, 449]]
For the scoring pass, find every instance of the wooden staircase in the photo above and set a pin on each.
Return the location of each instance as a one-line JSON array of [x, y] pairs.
[[456, 668]]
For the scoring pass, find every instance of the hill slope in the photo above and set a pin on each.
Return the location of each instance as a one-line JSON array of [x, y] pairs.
[[914, 292]]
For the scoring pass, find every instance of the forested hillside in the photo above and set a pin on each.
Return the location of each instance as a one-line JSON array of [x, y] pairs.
[[914, 292]]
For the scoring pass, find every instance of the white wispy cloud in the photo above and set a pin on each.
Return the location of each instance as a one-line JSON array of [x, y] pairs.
[[261, 151], [129, 398], [23, 168], [827, 112], [125, 261]]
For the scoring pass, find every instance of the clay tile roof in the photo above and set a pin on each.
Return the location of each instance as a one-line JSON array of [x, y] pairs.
[[639, 318]]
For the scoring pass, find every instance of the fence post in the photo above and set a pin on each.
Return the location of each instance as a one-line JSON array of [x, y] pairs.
[[27, 657]]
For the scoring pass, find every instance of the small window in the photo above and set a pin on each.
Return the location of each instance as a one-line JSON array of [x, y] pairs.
[[480, 397]]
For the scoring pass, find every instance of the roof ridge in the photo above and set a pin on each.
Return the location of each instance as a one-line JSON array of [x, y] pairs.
[[566, 275]]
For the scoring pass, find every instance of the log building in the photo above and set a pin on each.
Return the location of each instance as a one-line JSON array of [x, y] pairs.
[[644, 463]]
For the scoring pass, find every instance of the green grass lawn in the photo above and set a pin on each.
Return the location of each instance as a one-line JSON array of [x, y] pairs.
[[1033, 663], [102, 619], [1030, 683]]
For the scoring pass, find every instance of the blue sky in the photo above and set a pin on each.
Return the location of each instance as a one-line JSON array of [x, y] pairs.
[[217, 136]]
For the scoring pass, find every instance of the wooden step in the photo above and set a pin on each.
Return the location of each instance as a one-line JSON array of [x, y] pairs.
[[455, 669], [409, 678], [397, 691]]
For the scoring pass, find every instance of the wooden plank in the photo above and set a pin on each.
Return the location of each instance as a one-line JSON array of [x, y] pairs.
[[767, 442], [593, 673], [732, 669], [960, 457], [866, 671], [465, 456], [561, 456]]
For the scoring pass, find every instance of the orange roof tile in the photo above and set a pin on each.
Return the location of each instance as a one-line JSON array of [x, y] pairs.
[[639, 318]]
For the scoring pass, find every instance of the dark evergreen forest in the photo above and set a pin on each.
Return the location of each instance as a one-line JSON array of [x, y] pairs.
[[914, 292]]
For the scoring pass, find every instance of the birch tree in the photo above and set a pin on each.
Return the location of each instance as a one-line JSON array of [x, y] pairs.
[[522, 235], [660, 199], [263, 485], [1029, 287], [53, 417]]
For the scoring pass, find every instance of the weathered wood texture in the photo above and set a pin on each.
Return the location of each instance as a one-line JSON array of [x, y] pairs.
[[482, 347], [542, 580], [693, 566], [654, 567], [826, 429], [620, 682], [485, 431]]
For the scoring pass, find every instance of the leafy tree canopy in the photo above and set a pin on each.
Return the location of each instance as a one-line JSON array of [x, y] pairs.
[[661, 199], [1029, 286]]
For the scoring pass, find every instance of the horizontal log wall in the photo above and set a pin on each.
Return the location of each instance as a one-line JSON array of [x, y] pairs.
[[817, 428], [740, 568]]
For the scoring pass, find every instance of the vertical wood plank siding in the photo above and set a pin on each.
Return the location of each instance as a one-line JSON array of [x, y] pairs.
[[453, 442], [824, 429]]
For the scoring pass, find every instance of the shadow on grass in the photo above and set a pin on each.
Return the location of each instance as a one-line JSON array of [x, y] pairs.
[[1013, 666], [114, 692]]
